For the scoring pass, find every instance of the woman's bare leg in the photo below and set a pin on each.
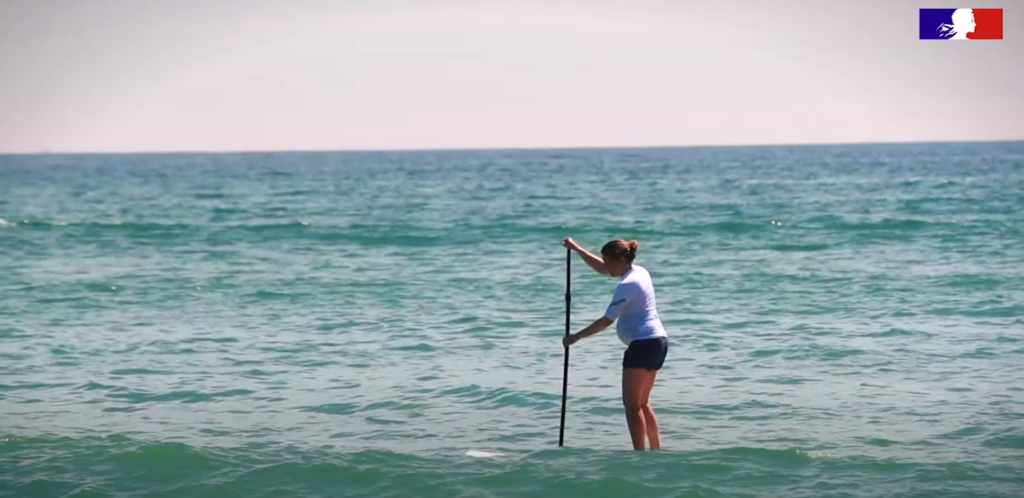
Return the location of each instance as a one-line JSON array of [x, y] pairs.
[[650, 420], [633, 382]]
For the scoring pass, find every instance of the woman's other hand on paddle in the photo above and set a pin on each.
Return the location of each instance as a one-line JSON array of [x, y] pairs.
[[571, 244], [570, 339], [598, 325]]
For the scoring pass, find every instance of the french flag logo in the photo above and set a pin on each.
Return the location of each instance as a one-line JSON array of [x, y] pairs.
[[961, 24]]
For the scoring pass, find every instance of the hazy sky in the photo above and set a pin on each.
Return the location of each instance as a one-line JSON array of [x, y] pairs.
[[202, 75]]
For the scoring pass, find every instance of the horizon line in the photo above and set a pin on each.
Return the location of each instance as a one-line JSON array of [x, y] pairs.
[[400, 150]]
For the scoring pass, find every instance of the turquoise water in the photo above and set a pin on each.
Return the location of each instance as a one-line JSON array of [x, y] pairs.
[[845, 322]]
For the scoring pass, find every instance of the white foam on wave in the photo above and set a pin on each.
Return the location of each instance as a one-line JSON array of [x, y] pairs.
[[817, 454], [481, 454]]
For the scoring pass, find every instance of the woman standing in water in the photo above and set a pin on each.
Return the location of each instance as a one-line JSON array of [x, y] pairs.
[[639, 328]]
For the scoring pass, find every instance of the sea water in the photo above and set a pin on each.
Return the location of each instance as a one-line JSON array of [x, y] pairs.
[[845, 321]]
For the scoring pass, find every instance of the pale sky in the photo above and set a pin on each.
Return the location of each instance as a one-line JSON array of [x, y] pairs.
[[241, 75]]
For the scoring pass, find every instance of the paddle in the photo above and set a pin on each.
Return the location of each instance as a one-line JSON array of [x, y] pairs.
[[565, 368]]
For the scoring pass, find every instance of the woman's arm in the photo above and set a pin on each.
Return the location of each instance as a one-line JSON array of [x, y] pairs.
[[598, 325], [593, 261]]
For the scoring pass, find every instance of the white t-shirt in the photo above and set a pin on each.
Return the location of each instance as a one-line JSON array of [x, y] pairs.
[[633, 305]]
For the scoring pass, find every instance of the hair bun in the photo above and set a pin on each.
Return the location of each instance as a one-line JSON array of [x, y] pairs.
[[633, 246]]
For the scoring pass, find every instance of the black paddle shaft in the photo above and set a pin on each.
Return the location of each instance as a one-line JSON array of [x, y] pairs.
[[565, 368]]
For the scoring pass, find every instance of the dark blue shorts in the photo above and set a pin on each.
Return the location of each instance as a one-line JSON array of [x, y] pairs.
[[648, 354]]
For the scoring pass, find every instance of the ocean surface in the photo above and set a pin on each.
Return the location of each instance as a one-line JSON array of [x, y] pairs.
[[845, 321]]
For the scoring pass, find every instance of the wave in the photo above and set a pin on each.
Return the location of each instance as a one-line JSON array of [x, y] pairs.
[[112, 225], [800, 247], [493, 398], [896, 224], [217, 234], [123, 465], [781, 237], [145, 225], [729, 227], [188, 396]]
